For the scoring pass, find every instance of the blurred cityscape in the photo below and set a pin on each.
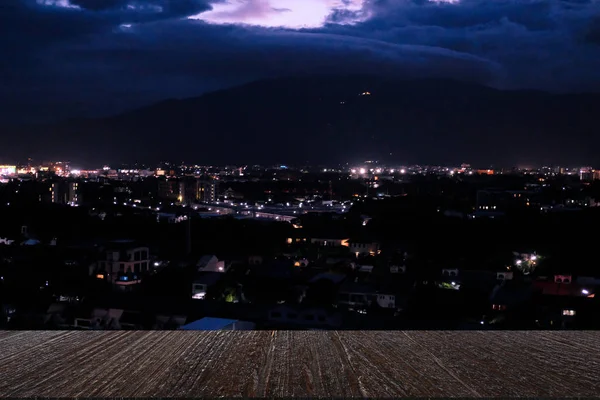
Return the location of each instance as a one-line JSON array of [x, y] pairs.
[[365, 246]]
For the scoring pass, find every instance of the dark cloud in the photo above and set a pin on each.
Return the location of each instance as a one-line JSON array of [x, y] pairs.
[[543, 44], [92, 57]]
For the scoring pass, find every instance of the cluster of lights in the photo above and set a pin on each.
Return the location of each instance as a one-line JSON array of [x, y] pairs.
[[527, 264], [364, 171]]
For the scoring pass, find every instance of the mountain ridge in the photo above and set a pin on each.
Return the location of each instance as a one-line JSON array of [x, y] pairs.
[[324, 119]]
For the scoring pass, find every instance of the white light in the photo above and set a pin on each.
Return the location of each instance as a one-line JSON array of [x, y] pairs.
[[519, 262], [453, 283], [402, 171], [584, 291], [363, 171], [533, 258], [481, 322]]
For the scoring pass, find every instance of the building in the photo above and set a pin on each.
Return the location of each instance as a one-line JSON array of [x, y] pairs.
[[122, 261], [168, 189], [586, 174], [62, 192], [188, 191], [208, 191], [8, 170], [203, 282], [364, 248], [209, 263], [73, 194], [331, 242], [501, 200], [362, 296]]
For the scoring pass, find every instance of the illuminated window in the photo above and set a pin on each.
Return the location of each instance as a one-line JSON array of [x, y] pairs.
[[568, 313]]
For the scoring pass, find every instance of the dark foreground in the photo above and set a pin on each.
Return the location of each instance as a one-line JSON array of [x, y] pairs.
[[284, 363]]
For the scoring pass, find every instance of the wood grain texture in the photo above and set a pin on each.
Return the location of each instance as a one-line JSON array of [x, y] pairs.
[[296, 363]]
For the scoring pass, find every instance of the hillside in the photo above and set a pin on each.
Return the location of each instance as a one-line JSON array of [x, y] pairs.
[[324, 119]]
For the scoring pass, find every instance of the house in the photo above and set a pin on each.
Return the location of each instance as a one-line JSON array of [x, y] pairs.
[[255, 260], [562, 312], [330, 242], [563, 285], [210, 263], [98, 318], [364, 248], [121, 258], [504, 275], [301, 262], [230, 194], [361, 296], [127, 282], [508, 295], [286, 316], [218, 324], [203, 282], [109, 319], [450, 273]]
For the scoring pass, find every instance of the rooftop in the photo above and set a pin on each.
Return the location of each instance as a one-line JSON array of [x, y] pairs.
[[208, 324]]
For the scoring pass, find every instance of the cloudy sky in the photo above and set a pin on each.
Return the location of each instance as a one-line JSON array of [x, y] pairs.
[[70, 58]]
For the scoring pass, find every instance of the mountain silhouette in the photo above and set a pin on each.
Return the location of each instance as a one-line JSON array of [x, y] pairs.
[[327, 120]]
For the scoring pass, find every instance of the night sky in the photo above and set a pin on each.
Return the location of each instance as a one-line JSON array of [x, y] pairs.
[[72, 58]]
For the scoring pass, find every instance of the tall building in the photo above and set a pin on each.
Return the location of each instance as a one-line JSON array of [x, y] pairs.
[[188, 191], [65, 193], [208, 191], [168, 189], [73, 196], [56, 193], [586, 174]]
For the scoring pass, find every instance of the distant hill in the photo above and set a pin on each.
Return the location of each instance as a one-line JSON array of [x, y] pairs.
[[326, 119]]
